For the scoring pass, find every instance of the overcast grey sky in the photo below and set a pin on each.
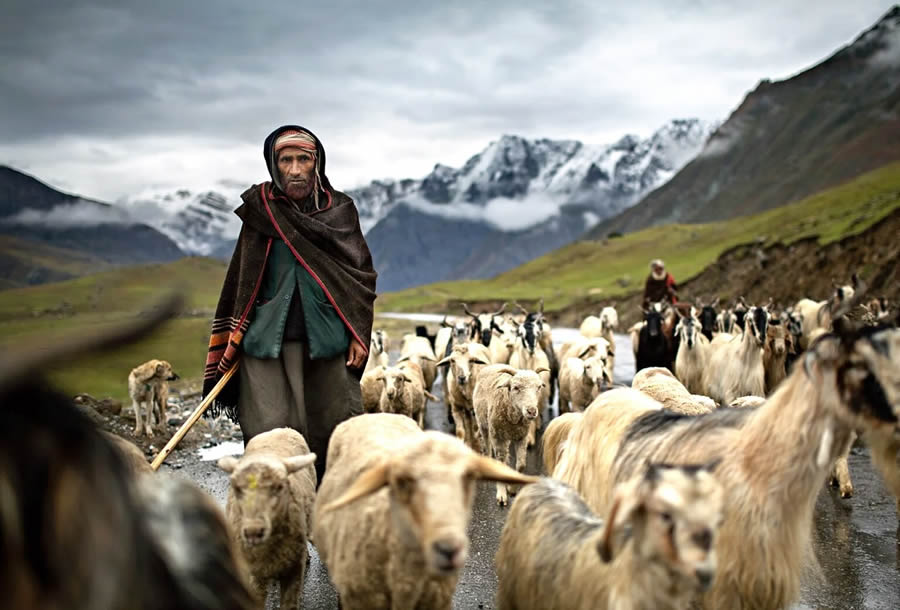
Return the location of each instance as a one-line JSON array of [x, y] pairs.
[[108, 98]]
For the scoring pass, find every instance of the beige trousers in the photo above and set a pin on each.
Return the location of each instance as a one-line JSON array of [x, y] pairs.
[[311, 396]]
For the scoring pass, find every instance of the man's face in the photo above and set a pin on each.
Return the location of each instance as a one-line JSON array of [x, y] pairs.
[[657, 269], [296, 169]]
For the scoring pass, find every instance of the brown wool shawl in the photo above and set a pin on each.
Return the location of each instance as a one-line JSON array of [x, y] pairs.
[[328, 243]]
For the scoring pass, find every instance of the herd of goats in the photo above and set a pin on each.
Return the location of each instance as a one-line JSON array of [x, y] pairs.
[[695, 487]]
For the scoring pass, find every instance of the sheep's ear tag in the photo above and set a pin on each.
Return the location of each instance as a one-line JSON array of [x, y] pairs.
[[252, 481]]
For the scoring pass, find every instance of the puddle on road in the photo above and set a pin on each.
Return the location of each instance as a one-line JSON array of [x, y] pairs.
[[215, 452]]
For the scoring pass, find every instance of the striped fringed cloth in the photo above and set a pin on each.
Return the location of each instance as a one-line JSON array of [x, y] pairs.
[[242, 281]]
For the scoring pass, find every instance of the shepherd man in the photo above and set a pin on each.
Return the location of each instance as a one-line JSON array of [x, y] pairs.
[[296, 307]]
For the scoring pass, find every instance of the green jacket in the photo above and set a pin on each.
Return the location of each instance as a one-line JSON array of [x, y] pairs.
[[326, 334]]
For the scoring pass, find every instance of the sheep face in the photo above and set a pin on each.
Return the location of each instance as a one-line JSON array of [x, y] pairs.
[[525, 388], [461, 360], [261, 492], [431, 485], [596, 368], [675, 513], [394, 380]]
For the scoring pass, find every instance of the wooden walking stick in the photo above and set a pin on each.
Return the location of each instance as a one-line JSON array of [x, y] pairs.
[[195, 416]]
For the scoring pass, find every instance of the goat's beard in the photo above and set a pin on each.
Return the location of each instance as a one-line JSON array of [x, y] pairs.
[[659, 275]]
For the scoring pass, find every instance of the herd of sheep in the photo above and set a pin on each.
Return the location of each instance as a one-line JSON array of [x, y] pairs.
[[694, 487]]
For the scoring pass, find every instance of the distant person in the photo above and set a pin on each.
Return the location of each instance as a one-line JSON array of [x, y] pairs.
[[660, 285], [296, 307]]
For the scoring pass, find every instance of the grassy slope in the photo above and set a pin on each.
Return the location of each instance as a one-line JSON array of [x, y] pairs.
[[20, 256], [104, 298], [619, 266]]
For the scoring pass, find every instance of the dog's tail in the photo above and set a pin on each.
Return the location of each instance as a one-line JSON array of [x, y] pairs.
[[48, 351]]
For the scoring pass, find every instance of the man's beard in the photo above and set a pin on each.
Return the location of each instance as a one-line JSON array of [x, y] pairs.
[[299, 189]]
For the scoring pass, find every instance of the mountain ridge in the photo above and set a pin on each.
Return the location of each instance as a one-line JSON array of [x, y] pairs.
[[789, 139]]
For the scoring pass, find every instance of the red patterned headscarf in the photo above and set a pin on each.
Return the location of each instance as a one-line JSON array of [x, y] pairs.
[[304, 141]]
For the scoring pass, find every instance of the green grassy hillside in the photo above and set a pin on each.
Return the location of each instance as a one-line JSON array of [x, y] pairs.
[[95, 301], [618, 266]]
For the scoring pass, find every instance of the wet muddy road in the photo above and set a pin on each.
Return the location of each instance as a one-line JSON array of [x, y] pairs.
[[856, 539]]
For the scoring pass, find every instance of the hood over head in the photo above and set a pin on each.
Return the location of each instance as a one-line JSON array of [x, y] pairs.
[[323, 185]]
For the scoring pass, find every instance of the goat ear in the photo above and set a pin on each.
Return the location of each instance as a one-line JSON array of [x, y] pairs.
[[403, 359], [295, 463], [585, 352], [443, 361], [407, 378], [542, 370], [478, 361], [488, 469], [367, 483], [625, 502], [227, 463]]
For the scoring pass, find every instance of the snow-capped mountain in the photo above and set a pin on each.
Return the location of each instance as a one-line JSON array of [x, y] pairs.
[[513, 202], [544, 175], [200, 223]]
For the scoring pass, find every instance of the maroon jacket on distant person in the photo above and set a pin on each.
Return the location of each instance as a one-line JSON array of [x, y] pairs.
[[660, 290]]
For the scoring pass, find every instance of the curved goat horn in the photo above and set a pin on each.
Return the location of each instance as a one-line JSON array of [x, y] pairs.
[[520, 308], [501, 310], [466, 309]]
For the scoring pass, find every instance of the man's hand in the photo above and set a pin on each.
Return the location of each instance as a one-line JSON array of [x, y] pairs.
[[356, 355]]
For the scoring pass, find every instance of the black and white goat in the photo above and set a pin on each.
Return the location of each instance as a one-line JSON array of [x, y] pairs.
[[481, 327]]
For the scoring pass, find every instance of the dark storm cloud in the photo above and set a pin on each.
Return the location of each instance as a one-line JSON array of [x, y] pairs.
[[145, 93]]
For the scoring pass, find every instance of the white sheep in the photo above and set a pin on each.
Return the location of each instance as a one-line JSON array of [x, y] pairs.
[[378, 350], [506, 401], [556, 553], [735, 364], [370, 385], [661, 385], [465, 361], [775, 458], [418, 349], [529, 355], [690, 361], [270, 501], [402, 392], [393, 509], [580, 381]]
